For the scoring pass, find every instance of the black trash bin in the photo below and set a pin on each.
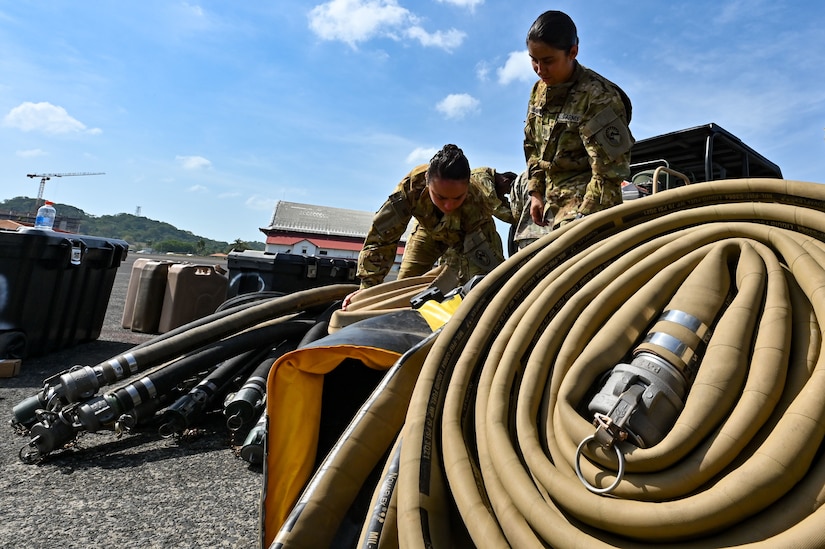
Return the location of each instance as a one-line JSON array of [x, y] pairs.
[[55, 287]]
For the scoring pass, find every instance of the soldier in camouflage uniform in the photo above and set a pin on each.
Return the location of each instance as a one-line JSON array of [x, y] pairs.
[[453, 208], [576, 140], [494, 186]]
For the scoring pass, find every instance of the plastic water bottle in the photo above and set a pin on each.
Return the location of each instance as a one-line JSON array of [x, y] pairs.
[[45, 216]]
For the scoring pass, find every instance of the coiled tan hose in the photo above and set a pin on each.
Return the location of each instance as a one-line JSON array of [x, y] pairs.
[[391, 296], [487, 457]]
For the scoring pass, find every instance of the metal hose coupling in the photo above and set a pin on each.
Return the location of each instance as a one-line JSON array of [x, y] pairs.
[[72, 385], [82, 382], [253, 448], [178, 416], [241, 407], [53, 430], [639, 402]]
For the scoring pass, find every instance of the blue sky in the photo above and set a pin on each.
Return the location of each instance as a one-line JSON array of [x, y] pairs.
[[205, 114]]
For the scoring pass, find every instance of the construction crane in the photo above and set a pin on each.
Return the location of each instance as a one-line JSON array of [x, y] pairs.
[[46, 176]]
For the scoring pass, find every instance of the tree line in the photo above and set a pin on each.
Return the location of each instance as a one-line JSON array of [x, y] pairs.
[[140, 232]]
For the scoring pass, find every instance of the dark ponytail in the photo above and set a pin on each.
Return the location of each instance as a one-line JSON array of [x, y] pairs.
[[556, 29]]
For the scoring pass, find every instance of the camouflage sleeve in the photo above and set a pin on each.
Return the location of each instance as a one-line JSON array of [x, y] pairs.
[[607, 140], [532, 147], [381, 244], [485, 179]]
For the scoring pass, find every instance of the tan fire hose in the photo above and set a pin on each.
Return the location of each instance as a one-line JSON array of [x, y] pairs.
[[489, 444], [391, 296]]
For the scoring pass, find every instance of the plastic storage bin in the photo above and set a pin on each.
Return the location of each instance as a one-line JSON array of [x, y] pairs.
[[55, 287], [192, 292], [255, 271]]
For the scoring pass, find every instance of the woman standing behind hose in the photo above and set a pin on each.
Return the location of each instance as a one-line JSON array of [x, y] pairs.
[[576, 139]]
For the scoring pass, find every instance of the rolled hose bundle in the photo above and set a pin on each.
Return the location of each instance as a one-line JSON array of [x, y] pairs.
[[489, 443], [392, 296]]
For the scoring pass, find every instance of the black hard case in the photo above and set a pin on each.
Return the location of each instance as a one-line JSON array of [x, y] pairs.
[[255, 271], [55, 287]]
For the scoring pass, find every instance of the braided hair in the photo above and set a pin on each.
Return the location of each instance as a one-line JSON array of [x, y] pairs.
[[449, 163]]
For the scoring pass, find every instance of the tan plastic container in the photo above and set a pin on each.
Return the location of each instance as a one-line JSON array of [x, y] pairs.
[[131, 292], [143, 308], [192, 292]]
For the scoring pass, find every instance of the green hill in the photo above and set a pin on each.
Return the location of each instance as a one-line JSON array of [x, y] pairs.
[[139, 232]]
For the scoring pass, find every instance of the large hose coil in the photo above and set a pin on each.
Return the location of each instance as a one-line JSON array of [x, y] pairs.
[[489, 445]]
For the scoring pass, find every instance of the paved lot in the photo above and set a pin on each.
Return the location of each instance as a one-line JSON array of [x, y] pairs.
[[140, 490]]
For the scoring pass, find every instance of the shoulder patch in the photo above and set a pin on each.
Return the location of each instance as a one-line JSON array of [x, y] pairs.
[[610, 132]]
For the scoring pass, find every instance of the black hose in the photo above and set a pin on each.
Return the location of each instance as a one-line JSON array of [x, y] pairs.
[[235, 321], [79, 383], [181, 413], [247, 403], [248, 299]]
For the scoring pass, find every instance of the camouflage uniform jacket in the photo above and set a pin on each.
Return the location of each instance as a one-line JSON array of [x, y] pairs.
[[411, 199], [577, 144]]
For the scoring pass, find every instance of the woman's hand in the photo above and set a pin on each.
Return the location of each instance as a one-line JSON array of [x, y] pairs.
[[537, 210], [348, 299]]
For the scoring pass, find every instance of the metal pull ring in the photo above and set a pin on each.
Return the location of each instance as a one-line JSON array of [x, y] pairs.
[[590, 487]]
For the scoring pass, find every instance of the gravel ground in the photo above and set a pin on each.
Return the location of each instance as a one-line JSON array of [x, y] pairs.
[[139, 490]]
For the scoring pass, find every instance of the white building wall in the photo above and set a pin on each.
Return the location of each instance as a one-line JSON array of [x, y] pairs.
[[305, 247]]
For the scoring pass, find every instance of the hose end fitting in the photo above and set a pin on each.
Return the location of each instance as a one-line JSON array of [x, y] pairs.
[[77, 384]]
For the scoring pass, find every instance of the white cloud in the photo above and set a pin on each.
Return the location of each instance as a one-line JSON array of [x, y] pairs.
[[46, 118], [31, 153], [193, 162], [197, 189], [463, 3], [194, 10], [482, 71], [262, 203], [448, 40], [421, 155], [189, 18], [736, 11], [458, 105], [356, 21], [517, 68]]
